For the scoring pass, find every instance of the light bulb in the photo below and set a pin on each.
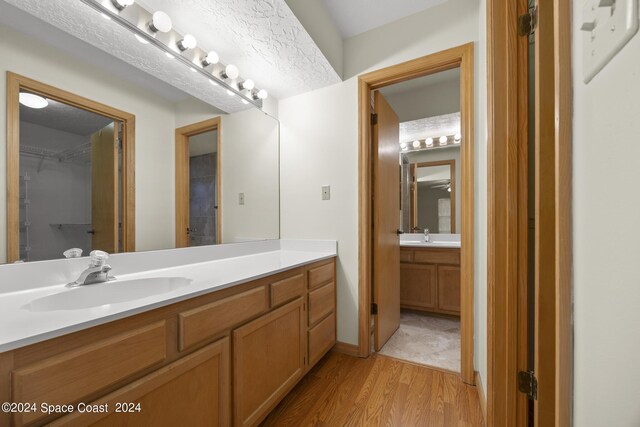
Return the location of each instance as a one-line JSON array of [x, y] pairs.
[[32, 100], [230, 72], [403, 145], [187, 42], [443, 140], [160, 21], [141, 39], [247, 84], [121, 4], [210, 59], [449, 189], [429, 142], [263, 94], [416, 144], [457, 137]]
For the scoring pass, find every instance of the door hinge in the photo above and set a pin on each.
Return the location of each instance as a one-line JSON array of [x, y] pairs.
[[374, 308], [374, 119], [528, 22], [528, 384]]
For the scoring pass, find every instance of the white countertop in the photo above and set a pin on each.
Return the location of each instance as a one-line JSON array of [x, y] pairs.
[[215, 268], [417, 240]]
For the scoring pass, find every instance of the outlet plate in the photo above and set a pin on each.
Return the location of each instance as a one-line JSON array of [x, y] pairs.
[[326, 192], [605, 31]]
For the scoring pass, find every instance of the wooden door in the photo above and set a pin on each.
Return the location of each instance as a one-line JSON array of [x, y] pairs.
[[545, 218], [104, 189], [386, 220], [268, 360]]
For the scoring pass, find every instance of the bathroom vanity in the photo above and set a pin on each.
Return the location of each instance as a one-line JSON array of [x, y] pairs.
[[222, 349], [430, 275]]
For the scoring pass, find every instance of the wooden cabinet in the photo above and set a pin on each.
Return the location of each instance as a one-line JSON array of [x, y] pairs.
[[193, 391], [430, 279], [268, 360], [175, 361]]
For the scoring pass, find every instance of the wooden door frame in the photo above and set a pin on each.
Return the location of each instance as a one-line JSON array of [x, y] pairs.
[[507, 103], [462, 57], [182, 176], [414, 192], [15, 83]]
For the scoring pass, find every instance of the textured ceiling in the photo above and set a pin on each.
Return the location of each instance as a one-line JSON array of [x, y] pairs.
[[357, 16], [431, 127], [262, 37], [64, 117]]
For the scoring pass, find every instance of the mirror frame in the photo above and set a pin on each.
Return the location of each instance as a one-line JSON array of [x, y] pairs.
[[414, 191], [15, 83]]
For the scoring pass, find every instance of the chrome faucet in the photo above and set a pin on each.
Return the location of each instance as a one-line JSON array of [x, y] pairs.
[[427, 237], [97, 272]]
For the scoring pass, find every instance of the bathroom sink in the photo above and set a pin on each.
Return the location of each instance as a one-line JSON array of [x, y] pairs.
[[114, 292]]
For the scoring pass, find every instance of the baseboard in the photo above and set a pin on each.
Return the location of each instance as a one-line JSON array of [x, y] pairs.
[[481, 396], [346, 348]]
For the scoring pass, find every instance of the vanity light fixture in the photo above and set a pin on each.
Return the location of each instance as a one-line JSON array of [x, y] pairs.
[[429, 142], [443, 140], [161, 22], [141, 39], [230, 72], [247, 84], [416, 144], [211, 58], [121, 4], [456, 138], [32, 100], [187, 42]]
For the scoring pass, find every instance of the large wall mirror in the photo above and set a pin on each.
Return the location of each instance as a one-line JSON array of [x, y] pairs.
[[102, 155], [433, 196]]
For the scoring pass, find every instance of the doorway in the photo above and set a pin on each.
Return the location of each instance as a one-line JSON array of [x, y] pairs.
[[198, 184], [380, 226]]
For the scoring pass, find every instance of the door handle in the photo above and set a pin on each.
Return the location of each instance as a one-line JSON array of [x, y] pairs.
[[399, 232]]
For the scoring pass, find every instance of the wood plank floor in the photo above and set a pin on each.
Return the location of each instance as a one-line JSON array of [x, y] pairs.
[[343, 390]]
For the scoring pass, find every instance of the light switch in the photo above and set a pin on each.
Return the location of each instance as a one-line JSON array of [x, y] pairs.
[[607, 25], [241, 198], [326, 192]]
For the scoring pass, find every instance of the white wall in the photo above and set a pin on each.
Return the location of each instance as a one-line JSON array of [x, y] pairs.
[[606, 229], [250, 159], [320, 145], [154, 131]]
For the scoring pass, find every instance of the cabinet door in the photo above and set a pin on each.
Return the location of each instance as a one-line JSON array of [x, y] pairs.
[[418, 286], [449, 288], [193, 391], [268, 360]]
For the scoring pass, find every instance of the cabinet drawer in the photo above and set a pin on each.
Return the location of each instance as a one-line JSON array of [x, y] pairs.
[[437, 256], [205, 322], [191, 391], [70, 376], [406, 255], [287, 289], [321, 302], [320, 275], [321, 338]]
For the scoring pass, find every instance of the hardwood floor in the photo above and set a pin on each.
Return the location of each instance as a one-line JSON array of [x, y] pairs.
[[379, 391]]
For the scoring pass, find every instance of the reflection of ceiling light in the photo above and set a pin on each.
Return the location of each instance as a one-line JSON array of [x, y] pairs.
[[211, 58], [416, 144], [32, 101], [403, 145], [429, 142], [457, 137], [187, 42], [193, 69], [121, 4], [105, 16], [244, 101], [213, 82], [169, 55], [141, 39], [443, 140], [230, 93], [160, 21], [449, 189]]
